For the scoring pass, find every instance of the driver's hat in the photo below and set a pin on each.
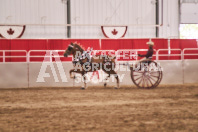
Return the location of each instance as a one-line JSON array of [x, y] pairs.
[[150, 42]]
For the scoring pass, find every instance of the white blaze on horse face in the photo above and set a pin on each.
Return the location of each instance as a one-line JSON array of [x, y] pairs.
[[46, 63]]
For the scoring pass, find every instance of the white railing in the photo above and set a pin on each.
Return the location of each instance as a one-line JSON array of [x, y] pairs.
[[54, 53], [49, 54], [190, 49], [4, 56], [169, 54]]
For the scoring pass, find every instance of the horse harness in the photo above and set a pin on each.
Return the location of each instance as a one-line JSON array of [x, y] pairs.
[[83, 56]]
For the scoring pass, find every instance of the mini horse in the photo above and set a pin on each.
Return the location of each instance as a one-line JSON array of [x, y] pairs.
[[104, 62]]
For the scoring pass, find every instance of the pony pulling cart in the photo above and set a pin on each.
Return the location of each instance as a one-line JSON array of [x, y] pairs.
[[143, 76]]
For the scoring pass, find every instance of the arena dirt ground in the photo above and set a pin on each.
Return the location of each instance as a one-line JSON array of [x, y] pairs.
[[166, 108]]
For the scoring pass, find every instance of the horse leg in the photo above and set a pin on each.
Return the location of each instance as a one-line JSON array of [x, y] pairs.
[[70, 73], [105, 80], [117, 78], [85, 81], [109, 69]]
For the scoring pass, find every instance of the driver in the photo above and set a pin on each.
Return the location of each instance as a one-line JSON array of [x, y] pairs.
[[148, 56]]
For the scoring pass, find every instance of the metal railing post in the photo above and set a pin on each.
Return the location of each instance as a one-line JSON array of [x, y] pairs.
[[3, 56], [50, 55], [28, 56], [197, 43], [136, 55], [169, 48], [157, 55]]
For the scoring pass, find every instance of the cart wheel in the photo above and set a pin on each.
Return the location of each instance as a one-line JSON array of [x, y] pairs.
[[148, 76]]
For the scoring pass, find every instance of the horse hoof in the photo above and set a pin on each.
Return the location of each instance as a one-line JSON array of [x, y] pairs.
[[82, 88], [105, 84]]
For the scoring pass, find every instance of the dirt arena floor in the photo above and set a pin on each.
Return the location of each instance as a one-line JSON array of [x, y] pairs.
[[166, 108]]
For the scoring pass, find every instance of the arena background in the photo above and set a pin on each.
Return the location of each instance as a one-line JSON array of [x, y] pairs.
[[31, 28]]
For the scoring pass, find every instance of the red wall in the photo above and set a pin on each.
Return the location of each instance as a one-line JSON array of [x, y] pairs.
[[106, 44]]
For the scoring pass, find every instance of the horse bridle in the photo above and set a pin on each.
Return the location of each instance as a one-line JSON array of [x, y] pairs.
[[71, 46]]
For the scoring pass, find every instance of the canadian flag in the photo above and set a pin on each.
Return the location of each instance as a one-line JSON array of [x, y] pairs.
[[114, 32], [11, 31]]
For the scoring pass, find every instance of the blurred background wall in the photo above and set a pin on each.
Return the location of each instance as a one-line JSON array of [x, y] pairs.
[[47, 18]]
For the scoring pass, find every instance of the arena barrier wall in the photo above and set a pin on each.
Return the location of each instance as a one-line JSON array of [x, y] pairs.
[[172, 71], [24, 75], [14, 75], [35, 68], [17, 72], [190, 71]]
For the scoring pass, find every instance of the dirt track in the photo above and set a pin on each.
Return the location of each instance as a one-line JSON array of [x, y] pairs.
[[167, 108]]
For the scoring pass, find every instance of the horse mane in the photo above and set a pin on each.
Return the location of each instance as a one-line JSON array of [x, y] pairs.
[[80, 47]]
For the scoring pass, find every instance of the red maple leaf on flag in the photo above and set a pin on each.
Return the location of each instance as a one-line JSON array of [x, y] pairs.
[[10, 31], [114, 32]]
